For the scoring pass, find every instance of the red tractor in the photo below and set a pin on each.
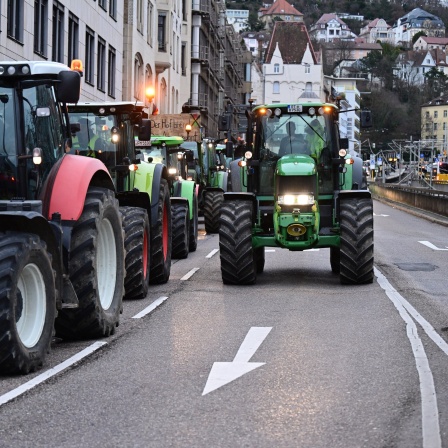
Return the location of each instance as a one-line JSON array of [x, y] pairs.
[[61, 235]]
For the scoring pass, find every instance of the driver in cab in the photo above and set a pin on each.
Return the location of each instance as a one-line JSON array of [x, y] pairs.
[[293, 143]]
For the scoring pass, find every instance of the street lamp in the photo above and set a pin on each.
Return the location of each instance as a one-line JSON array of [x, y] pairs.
[[150, 94], [188, 130]]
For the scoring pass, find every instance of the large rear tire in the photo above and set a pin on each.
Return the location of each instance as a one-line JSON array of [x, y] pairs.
[[335, 260], [27, 302], [96, 268], [137, 236], [181, 230], [194, 225], [161, 238], [212, 208], [356, 252], [238, 264]]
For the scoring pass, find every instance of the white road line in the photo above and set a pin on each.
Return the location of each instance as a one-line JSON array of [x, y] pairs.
[[213, 252], [189, 274], [431, 246], [150, 308], [49, 373], [430, 412], [269, 250]]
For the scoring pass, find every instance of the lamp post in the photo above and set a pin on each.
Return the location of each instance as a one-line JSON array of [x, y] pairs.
[[188, 130]]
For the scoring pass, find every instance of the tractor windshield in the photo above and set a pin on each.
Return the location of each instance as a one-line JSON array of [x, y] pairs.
[[280, 133], [30, 117], [294, 134]]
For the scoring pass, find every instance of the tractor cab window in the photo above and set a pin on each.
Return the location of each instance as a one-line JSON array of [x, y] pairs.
[[293, 134], [92, 136], [41, 129]]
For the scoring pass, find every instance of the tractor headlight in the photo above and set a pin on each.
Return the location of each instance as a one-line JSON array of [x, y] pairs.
[[296, 199], [248, 154]]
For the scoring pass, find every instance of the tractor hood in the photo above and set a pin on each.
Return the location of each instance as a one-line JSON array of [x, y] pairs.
[[296, 165]]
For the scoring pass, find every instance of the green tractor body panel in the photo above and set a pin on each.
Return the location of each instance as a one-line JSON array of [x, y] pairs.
[[186, 189], [296, 165]]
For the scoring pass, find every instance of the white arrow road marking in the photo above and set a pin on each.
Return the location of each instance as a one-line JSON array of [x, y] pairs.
[[431, 246], [379, 215], [226, 372]]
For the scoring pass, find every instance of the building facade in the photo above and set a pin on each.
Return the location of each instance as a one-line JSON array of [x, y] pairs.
[[291, 72], [65, 30]]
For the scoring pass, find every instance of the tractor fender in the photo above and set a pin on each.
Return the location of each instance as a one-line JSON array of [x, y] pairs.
[[244, 196], [71, 181], [186, 189], [148, 179], [221, 177], [235, 175], [357, 173]]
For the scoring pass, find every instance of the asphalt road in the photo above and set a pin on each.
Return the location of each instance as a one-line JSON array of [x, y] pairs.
[[296, 360]]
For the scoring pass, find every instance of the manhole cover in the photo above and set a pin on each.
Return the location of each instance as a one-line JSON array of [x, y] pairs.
[[425, 267]]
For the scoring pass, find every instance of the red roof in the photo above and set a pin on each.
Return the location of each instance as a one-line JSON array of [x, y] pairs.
[[282, 7], [292, 39]]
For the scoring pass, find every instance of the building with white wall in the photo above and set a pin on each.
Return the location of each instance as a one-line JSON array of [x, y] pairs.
[[291, 72], [238, 18]]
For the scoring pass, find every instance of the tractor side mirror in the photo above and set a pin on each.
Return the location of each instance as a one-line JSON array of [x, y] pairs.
[[229, 149], [144, 131]]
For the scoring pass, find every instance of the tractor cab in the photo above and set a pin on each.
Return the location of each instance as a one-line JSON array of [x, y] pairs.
[[33, 126]]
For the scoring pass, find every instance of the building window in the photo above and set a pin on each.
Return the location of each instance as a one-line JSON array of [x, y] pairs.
[[111, 68], [444, 126], [113, 9], [58, 33], [90, 56], [101, 65], [307, 68], [140, 16], [102, 4], [276, 87], [445, 113], [161, 31], [435, 127], [276, 68], [183, 61], [15, 19], [149, 20], [73, 38], [436, 114], [138, 77], [40, 27]]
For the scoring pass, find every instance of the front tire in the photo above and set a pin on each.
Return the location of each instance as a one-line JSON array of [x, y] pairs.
[[96, 268], [161, 238], [212, 209], [194, 225], [137, 236], [356, 252], [27, 302], [238, 264], [181, 230]]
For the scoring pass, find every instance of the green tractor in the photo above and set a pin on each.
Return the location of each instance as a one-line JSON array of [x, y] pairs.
[[108, 132], [299, 189], [168, 151], [210, 166]]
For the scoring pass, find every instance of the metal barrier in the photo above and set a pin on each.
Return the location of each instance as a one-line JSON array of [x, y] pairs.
[[435, 201]]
